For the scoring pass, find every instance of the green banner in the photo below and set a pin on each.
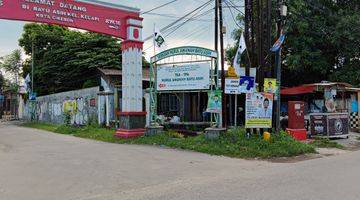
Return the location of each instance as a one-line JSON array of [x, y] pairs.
[[214, 102]]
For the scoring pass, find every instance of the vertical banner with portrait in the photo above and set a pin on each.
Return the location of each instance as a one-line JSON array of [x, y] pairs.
[[270, 85], [259, 109], [214, 102]]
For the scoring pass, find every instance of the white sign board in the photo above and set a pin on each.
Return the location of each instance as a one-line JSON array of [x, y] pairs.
[[244, 84], [183, 77], [232, 86]]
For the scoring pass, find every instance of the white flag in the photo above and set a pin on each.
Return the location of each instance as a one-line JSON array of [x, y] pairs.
[[159, 40], [27, 79], [27, 83], [240, 51]]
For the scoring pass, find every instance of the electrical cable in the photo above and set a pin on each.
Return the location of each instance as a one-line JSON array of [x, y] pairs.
[[176, 21], [233, 5], [233, 16], [178, 17], [163, 5], [193, 17]]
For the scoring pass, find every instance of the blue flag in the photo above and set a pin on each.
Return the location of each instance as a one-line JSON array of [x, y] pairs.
[[278, 43]]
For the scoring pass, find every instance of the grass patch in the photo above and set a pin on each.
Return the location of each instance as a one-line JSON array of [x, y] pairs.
[[358, 138], [326, 143], [233, 144]]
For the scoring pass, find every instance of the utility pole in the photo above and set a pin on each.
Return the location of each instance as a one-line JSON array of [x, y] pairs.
[[282, 16], [32, 67], [224, 109], [246, 34], [217, 26], [258, 25]]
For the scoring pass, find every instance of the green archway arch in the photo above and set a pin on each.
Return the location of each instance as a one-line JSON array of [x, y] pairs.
[[180, 51]]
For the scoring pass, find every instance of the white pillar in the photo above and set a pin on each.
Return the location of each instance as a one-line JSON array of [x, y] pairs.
[[21, 107], [132, 80], [147, 102], [132, 118], [107, 110], [132, 67], [99, 109]]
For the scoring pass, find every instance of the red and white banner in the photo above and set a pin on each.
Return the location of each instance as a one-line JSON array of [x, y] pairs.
[[97, 16]]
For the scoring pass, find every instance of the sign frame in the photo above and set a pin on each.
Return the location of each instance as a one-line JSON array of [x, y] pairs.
[[92, 15], [252, 112], [180, 51], [185, 50], [180, 73]]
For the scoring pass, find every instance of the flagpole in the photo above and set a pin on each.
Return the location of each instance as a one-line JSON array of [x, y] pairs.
[[247, 53], [152, 85], [236, 105], [154, 39]]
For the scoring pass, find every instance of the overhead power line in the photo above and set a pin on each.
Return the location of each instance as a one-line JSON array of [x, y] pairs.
[[233, 5], [179, 20], [188, 20], [178, 17], [163, 5], [233, 16]]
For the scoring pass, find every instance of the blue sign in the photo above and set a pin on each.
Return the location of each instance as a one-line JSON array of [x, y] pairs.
[[244, 84], [247, 84], [2, 98], [33, 96]]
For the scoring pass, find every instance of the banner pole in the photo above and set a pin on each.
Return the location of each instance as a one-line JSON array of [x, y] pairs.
[[236, 110]]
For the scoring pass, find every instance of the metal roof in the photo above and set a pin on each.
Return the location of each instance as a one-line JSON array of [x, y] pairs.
[[118, 72]]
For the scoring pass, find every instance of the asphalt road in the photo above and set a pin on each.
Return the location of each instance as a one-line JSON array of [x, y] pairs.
[[37, 165]]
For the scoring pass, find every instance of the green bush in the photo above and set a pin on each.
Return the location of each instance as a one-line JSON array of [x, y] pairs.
[[68, 130], [234, 143]]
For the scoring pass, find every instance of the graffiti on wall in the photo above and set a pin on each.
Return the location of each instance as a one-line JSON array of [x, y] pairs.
[[63, 110]]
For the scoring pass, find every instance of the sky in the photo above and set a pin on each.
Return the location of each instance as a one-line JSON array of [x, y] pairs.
[[195, 33]]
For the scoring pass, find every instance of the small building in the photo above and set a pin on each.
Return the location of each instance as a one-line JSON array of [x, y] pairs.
[[9, 104], [110, 95], [325, 97]]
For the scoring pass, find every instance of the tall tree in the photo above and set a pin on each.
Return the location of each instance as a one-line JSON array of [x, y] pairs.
[[322, 42], [65, 59], [12, 64]]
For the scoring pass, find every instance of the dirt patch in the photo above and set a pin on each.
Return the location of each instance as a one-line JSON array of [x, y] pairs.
[[321, 153], [354, 147], [295, 159]]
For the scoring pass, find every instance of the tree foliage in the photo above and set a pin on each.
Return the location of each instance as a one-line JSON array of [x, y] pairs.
[[322, 42], [2, 81], [65, 59], [12, 64]]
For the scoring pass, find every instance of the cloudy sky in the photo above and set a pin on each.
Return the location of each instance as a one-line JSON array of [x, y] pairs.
[[199, 32]]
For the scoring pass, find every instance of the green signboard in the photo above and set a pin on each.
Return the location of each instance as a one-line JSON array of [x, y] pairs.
[[189, 50]]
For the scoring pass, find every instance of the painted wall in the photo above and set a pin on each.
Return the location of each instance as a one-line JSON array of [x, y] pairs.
[[78, 107]]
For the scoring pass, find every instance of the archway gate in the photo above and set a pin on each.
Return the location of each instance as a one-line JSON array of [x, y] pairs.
[[96, 16], [173, 60]]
